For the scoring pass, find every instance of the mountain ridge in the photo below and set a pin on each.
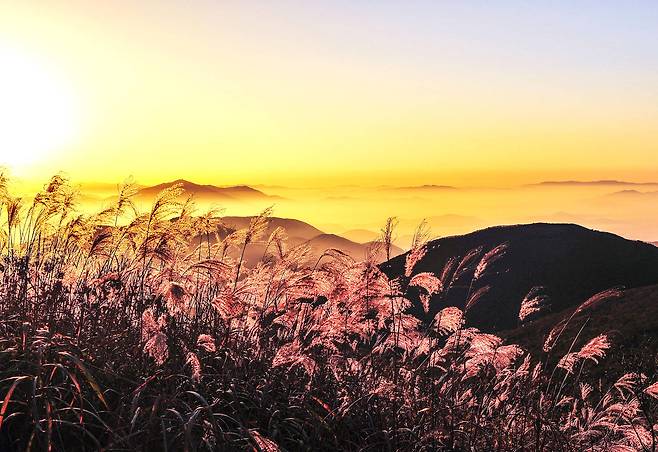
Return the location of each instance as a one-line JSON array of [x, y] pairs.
[[602, 182], [205, 191], [570, 261]]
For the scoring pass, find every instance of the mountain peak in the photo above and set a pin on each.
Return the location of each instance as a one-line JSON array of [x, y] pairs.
[[569, 260], [207, 192]]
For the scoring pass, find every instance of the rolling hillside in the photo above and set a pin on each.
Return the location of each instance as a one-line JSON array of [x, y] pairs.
[[631, 322], [570, 261]]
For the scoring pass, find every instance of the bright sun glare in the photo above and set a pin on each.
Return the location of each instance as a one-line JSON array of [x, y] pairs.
[[38, 114]]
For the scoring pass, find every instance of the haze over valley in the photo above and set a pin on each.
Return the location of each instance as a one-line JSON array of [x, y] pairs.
[[358, 213]]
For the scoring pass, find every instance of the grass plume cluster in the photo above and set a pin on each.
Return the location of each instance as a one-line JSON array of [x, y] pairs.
[[129, 330]]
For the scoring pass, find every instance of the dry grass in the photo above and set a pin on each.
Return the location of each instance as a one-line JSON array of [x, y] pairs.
[[117, 334]]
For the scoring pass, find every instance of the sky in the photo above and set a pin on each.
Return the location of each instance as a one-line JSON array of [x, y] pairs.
[[337, 108], [330, 93]]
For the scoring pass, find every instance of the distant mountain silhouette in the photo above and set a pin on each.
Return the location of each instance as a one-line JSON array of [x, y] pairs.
[[594, 183], [570, 261], [428, 187], [298, 233], [626, 194], [207, 192]]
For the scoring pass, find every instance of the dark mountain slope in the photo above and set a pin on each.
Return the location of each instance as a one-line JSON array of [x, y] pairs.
[[631, 322], [570, 261]]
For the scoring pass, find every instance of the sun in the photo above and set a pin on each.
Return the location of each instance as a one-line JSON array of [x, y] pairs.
[[38, 111]]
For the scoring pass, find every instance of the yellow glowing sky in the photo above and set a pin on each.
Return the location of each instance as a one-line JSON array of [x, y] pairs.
[[322, 103], [303, 92]]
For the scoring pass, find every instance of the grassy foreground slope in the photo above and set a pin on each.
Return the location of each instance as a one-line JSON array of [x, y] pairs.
[[631, 322], [115, 337]]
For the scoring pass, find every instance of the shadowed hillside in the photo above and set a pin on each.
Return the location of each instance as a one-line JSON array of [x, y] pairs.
[[570, 261], [630, 320], [593, 183]]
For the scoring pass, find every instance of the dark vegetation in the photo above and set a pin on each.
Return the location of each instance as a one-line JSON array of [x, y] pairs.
[[631, 322], [570, 261], [120, 331]]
